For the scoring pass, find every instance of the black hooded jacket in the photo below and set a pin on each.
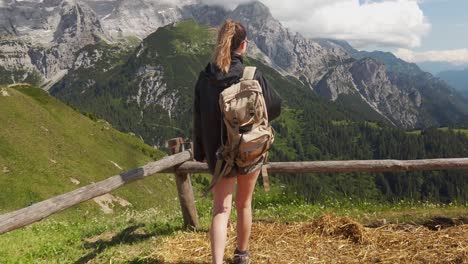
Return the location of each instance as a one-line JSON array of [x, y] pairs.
[[206, 113]]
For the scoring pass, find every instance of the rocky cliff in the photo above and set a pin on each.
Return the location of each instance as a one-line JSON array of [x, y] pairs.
[[45, 35]]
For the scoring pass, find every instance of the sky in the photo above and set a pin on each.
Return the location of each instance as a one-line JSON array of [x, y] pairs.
[[414, 30], [447, 41]]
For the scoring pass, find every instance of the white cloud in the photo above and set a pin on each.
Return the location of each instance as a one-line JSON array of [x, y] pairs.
[[396, 23], [226, 4], [458, 56]]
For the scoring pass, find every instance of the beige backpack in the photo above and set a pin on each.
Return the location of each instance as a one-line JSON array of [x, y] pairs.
[[249, 135]]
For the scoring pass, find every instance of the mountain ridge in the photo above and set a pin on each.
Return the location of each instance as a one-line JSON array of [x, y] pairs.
[[456, 79], [312, 61], [147, 92]]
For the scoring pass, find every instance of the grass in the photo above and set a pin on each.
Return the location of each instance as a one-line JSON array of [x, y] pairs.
[[132, 236], [84, 238], [463, 131], [373, 125], [445, 129], [44, 144], [367, 212]]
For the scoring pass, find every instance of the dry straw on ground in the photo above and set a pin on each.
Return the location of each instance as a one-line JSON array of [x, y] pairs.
[[328, 239]]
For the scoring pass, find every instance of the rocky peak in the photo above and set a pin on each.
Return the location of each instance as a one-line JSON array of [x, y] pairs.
[[255, 10], [401, 106], [78, 24], [54, 31], [290, 52], [373, 70], [207, 15], [102, 8], [269, 35], [49, 22], [24, 20], [142, 17], [256, 16], [337, 43], [51, 3]]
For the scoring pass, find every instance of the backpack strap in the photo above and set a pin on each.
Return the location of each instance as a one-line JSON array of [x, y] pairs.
[[249, 73], [266, 180], [219, 173]]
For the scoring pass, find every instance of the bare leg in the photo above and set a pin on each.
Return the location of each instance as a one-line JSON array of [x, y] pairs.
[[245, 188], [222, 203]]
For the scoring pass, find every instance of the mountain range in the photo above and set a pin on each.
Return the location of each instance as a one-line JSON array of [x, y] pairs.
[[50, 41], [339, 103], [457, 79], [150, 93], [436, 67]]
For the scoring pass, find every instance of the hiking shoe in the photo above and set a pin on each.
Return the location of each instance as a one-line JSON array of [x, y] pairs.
[[240, 258]]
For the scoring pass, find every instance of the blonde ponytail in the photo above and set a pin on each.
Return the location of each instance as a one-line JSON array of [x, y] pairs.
[[230, 36]]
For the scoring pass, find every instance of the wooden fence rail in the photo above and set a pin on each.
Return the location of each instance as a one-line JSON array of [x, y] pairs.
[[179, 164], [41, 210], [343, 166]]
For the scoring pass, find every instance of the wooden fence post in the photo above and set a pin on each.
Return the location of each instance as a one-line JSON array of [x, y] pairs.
[[184, 189]]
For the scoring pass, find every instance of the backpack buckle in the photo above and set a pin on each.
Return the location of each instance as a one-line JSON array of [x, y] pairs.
[[245, 129], [219, 153]]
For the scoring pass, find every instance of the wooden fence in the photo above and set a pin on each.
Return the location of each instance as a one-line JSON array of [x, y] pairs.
[[179, 163]]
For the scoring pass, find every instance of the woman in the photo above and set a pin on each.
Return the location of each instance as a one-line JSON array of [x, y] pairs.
[[226, 69]]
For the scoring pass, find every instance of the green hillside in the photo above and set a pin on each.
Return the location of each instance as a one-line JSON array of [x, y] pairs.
[[47, 148]]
